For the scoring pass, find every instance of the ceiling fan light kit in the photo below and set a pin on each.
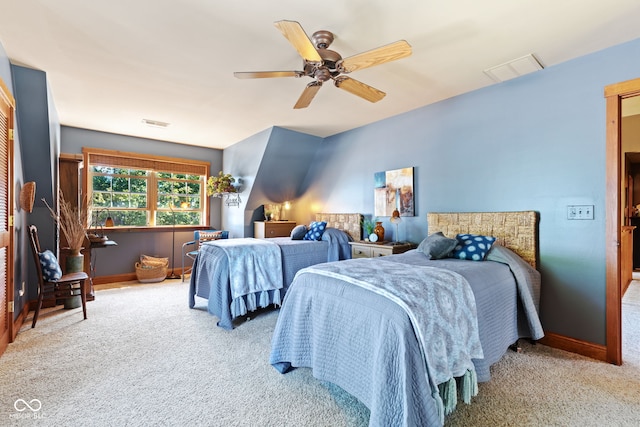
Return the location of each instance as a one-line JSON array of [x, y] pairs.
[[322, 64]]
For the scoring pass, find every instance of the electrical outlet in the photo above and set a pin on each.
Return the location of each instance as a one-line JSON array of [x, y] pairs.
[[580, 212]]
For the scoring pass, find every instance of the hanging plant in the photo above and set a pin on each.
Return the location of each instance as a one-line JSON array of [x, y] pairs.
[[222, 183]]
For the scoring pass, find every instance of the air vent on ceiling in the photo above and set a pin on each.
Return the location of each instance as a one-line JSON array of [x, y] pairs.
[[515, 68], [155, 123]]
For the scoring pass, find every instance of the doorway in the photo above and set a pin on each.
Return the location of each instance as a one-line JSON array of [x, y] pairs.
[[614, 94]]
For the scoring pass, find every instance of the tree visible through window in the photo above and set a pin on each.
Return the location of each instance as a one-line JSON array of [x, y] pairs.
[[139, 191]]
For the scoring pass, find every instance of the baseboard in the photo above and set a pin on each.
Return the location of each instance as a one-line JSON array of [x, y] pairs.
[[583, 348], [125, 277], [103, 280]]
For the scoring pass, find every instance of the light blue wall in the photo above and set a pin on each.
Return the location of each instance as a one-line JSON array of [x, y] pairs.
[[534, 143], [272, 165]]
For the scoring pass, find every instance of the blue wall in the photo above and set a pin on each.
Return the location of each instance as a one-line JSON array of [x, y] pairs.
[[272, 165], [132, 244], [533, 143], [21, 250]]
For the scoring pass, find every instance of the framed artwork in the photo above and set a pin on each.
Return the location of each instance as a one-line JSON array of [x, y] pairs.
[[394, 190]]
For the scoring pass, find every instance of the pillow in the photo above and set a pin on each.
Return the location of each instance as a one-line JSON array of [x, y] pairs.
[[50, 268], [204, 236], [298, 232], [315, 230], [437, 245], [472, 246]]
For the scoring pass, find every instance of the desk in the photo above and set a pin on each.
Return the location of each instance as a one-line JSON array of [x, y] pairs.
[[95, 244]]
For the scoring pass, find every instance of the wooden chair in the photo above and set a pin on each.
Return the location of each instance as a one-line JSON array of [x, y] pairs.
[[60, 289]]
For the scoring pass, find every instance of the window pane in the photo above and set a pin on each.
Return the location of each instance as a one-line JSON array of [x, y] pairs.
[[165, 187], [129, 218], [138, 201], [180, 188], [194, 187], [120, 184], [138, 185], [120, 200], [101, 183], [102, 199]]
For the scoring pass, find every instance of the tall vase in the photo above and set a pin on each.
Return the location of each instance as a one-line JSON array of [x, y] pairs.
[[379, 231], [74, 264]]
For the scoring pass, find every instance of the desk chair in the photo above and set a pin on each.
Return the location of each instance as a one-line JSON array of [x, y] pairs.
[[199, 237], [59, 289]]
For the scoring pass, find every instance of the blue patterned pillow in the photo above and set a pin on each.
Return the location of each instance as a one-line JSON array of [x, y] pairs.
[[315, 230], [50, 268], [472, 246]]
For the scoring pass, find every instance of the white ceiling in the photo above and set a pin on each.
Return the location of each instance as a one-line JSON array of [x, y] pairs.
[[112, 64]]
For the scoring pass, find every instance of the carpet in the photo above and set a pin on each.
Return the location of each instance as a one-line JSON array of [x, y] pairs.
[[144, 358]]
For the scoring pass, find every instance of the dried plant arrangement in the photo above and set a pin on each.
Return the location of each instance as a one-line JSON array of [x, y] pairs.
[[72, 221]]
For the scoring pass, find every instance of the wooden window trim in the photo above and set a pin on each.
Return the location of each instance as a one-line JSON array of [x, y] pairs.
[[115, 158]]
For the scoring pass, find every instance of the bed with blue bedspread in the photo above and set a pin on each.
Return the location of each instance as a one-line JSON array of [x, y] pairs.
[[237, 276], [410, 336]]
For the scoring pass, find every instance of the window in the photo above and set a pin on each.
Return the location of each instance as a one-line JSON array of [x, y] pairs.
[[138, 190]]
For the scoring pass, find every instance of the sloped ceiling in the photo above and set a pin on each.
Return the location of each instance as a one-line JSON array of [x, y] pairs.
[[112, 64]]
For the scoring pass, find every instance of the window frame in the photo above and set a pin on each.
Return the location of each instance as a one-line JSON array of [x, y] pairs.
[[129, 160]]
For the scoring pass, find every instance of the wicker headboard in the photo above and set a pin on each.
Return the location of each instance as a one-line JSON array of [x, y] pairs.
[[349, 223], [517, 231]]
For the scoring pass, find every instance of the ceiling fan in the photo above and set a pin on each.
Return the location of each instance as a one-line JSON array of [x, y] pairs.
[[322, 64]]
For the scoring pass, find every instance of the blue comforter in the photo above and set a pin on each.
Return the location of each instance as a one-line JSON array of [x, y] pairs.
[[366, 343], [211, 278]]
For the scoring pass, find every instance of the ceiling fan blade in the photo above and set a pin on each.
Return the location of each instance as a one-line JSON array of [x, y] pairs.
[[391, 52], [294, 32], [307, 95], [266, 74], [359, 89]]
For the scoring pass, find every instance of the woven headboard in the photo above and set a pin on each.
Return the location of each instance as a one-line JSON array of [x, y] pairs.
[[349, 223], [517, 231]]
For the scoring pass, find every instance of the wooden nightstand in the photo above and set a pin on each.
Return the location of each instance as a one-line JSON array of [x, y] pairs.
[[263, 229], [364, 249]]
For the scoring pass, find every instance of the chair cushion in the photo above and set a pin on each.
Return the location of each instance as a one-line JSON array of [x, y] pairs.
[[50, 268]]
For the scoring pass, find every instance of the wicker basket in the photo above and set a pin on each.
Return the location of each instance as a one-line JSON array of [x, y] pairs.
[[150, 273]]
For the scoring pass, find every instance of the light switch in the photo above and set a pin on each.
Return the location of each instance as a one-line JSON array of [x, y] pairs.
[[580, 212]]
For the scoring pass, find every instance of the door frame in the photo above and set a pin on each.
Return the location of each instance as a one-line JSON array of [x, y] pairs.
[[614, 94], [8, 334]]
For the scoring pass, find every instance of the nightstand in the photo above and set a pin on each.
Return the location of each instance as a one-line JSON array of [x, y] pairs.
[[264, 229], [364, 249]]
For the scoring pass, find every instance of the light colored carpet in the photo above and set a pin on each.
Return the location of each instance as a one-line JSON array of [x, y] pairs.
[[144, 358]]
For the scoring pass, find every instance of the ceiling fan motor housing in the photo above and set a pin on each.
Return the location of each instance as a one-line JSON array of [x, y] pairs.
[[322, 39]]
